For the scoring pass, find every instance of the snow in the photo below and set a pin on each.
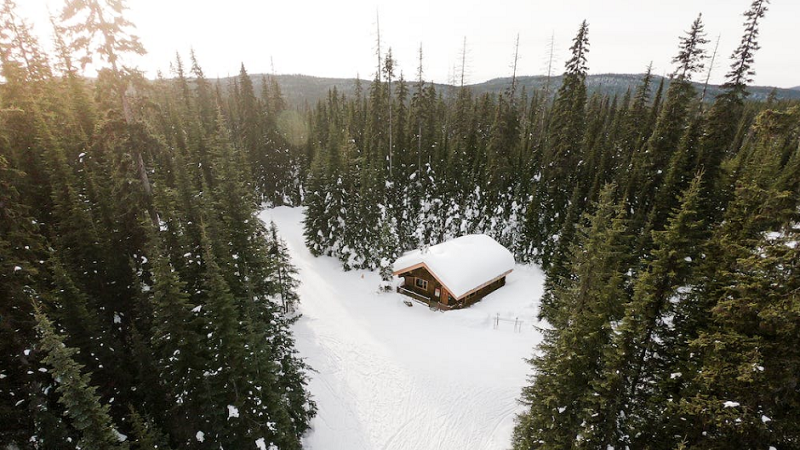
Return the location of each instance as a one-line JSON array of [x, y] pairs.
[[17, 268], [462, 264], [730, 404], [387, 376], [233, 411], [765, 419], [261, 444], [200, 436]]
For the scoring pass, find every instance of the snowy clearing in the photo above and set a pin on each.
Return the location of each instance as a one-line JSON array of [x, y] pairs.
[[392, 377]]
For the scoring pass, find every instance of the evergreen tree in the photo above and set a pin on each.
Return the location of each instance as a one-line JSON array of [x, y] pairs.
[[284, 272], [725, 115], [648, 352], [175, 344], [146, 434], [87, 415], [646, 184], [589, 303], [21, 247], [741, 69], [98, 29], [741, 388], [563, 159], [691, 53]]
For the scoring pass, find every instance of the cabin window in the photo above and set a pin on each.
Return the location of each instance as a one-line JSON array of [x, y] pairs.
[[450, 298], [420, 283]]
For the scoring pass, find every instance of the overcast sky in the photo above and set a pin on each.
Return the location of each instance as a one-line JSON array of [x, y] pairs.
[[338, 38]]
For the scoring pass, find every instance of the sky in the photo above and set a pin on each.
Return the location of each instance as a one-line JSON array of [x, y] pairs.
[[339, 38]]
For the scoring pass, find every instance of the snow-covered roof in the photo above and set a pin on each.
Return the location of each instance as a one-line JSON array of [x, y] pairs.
[[462, 264]]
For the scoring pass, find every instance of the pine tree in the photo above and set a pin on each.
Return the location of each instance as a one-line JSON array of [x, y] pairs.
[[589, 303], [650, 170], [20, 45], [105, 34], [741, 389], [563, 159], [98, 33], [388, 244], [741, 69], [87, 415], [641, 368], [502, 147], [21, 247], [725, 115], [146, 434], [284, 273], [175, 344], [691, 54]]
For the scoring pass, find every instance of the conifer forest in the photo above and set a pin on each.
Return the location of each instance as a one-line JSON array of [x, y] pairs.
[[144, 305]]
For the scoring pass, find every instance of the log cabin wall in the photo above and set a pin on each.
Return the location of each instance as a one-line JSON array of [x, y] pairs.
[[421, 273], [446, 299], [483, 292]]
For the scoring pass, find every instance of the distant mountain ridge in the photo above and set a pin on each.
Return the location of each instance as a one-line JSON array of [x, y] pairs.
[[306, 90]]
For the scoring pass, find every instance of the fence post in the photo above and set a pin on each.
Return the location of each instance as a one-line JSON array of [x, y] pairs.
[[516, 319]]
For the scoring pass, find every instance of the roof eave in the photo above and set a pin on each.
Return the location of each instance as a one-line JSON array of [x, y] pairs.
[[433, 274], [485, 284]]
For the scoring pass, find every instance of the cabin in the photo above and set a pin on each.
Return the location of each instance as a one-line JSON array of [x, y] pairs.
[[456, 273]]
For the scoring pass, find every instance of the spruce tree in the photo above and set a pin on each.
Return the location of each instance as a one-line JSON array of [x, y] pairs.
[[741, 68], [563, 159], [691, 52], [175, 344], [725, 115], [284, 274], [644, 357], [87, 415], [571, 360], [741, 390]]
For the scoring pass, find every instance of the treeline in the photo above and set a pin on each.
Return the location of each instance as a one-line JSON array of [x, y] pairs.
[[143, 304], [667, 225]]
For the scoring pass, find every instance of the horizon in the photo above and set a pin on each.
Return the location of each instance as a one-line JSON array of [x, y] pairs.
[[477, 83], [339, 41]]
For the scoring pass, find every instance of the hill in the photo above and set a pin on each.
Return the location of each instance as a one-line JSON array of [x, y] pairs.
[[303, 90]]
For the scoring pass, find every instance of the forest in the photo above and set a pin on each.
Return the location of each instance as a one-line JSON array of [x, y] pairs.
[[143, 304]]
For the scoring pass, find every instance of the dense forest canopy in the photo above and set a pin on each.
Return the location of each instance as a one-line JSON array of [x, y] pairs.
[[142, 302], [141, 296]]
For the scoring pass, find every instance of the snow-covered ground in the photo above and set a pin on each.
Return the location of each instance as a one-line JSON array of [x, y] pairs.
[[392, 377]]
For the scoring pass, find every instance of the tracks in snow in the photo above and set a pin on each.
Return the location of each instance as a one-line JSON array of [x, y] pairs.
[[397, 378]]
